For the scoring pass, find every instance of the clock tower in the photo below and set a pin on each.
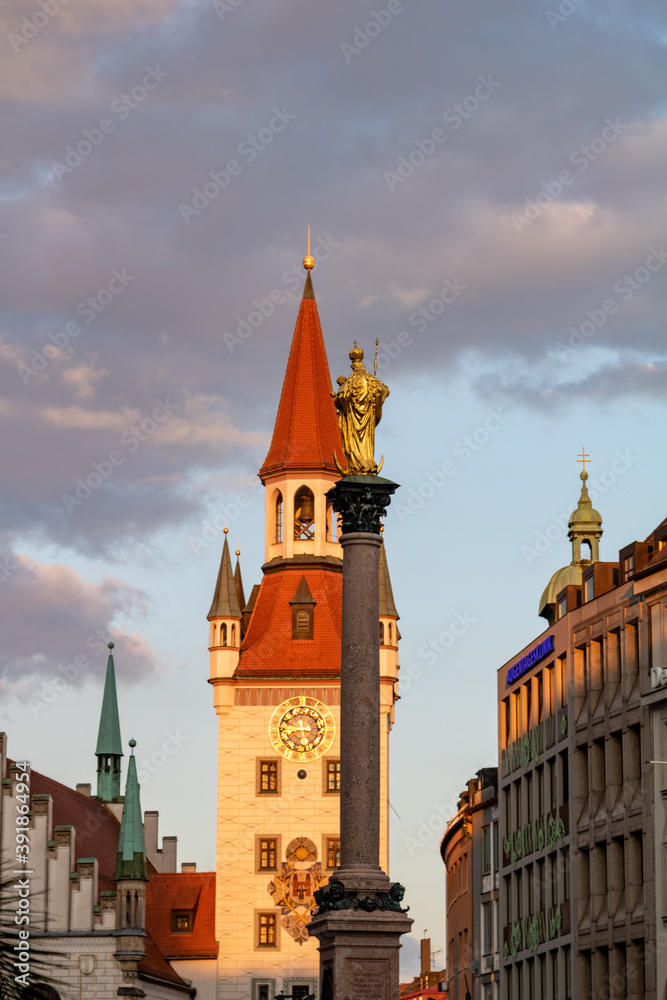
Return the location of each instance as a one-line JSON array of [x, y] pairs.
[[275, 672]]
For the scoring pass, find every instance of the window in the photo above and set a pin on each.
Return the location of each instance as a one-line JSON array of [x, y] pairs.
[[529, 704], [508, 722], [564, 779], [263, 992], [562, 607], [508, 899], [269, 777], [531, 979], [517, 803], [540, 885], [529, 797], [589, 588], [304, 514], [540, 791], [279, 532], [508, 811], [565, 862], [519, 895], [267, 930], [552, 783], [628, 566], [562, 681], [333, 776], [531, 893], [181, 921], [540, 697], [487, 924], [303, 627], [333, 852], [268, 851], [549, 690], [543, 977], [519, 980], [568, 973], [495, 846], [486, 859], [223, 635], [300, 992], [382, 633], [554, 975]]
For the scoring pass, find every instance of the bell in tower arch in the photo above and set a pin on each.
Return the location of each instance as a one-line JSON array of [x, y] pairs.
[[304, 514]]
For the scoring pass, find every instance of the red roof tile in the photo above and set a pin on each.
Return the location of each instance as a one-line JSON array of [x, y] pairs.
[[268, 649], [185, 891], [306, 429]]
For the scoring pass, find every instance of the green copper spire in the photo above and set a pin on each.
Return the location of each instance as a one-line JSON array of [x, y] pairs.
[[109, 746], [131, 861]]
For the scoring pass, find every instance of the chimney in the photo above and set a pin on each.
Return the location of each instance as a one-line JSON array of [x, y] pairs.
[[188, 867], [83, 790], [425, 956]]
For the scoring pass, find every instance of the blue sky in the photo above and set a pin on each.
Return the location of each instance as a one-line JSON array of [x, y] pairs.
[[486, 193]]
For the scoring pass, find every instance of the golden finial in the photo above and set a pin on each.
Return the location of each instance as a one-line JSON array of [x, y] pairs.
[[308, 261], [382, 529], [226, 529], [238, 547], [583, 458]]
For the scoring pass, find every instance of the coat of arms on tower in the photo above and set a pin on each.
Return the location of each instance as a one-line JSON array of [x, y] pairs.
[[293, 888]]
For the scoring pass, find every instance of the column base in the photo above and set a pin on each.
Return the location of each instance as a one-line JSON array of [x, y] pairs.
[[359, 953]]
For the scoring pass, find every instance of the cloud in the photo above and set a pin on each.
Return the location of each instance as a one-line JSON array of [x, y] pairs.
[[49, 615]]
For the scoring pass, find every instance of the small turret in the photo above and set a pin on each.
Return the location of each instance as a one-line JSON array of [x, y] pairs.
[[131, 877], [225, 618], [109, 746]]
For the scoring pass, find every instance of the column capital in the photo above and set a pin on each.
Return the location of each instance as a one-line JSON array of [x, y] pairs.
[[362, 501]]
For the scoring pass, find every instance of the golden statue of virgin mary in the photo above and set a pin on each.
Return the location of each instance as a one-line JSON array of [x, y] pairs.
[[359, 402]]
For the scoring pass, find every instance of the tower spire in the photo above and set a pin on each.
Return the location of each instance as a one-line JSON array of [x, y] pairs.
[[109, 749], [131, 861], [585, 522], [306, 429], [238, 582]]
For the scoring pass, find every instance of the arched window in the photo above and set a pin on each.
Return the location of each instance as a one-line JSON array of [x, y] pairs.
[[233, 635], [304, 514], [389, 627], [279, 517], [586, 549], [223, 634], [214, 634], [382, 633]]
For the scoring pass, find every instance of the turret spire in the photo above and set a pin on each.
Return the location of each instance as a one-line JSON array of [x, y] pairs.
[[225, 600], [109, 748], [131, 861], [238, 582]]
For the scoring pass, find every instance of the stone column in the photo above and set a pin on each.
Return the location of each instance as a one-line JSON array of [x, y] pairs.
[[360, 918]]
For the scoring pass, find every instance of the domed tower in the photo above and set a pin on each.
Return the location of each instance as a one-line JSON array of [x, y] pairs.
[[585, 531]]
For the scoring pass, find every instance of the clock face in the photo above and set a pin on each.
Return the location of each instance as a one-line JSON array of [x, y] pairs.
[[302, 729]]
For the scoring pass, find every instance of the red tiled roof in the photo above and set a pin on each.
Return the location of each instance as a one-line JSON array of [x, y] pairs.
[[268, 649], [306, 429], [185, 891]]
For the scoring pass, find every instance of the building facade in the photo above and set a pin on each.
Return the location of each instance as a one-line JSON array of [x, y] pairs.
[[470, 852], [581, 712], [275, 672], [100, 902]]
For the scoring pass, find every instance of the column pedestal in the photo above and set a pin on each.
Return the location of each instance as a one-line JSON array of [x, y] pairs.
[[360, 918]]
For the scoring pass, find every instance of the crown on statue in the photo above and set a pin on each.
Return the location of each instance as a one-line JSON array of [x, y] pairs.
[[356, 354]]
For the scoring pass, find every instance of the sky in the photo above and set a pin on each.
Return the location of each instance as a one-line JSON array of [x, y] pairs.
[[485, 186]]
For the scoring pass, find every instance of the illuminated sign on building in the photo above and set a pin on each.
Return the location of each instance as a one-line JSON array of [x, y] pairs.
[[536, 654]]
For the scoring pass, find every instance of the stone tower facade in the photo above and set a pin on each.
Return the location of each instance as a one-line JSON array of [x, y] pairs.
[[276, 689]]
